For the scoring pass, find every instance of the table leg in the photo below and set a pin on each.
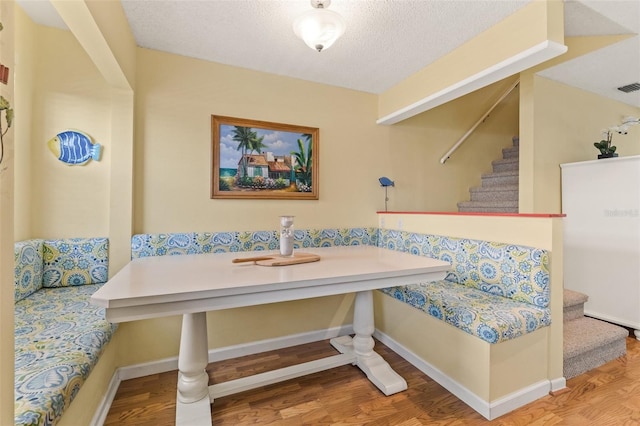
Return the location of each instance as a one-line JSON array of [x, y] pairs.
[[193, 403], [378, 371]]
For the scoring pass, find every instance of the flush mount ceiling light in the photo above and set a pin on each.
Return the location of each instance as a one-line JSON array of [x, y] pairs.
[[319, 28]]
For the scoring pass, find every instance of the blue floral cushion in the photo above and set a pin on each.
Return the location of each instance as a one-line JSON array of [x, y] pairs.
[[75, 261], [490, 317], [59, 336], [516, 272], [28, 268], [144, 245]]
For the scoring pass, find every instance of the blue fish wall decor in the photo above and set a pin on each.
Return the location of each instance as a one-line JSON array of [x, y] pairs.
[[73, 147]]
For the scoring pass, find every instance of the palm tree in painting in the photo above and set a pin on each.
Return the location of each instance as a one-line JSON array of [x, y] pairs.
[[304, 160], [244, 136], [256, 144]]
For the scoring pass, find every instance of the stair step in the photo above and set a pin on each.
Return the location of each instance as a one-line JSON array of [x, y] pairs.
[[572, 298], [590, 343], [498, 192], [494, 193], [513, 152], [573, 305], [488, 206], [501, 178], [506, 165]]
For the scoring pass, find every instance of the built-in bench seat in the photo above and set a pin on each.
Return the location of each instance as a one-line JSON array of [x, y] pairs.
[[494, 291], [59, 334]]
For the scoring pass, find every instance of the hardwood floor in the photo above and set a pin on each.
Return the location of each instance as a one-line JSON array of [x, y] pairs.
[[609, 395]]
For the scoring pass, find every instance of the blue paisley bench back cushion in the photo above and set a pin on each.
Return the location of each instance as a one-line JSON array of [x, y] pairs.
[[516, 272], [75, 261], [144, 245]]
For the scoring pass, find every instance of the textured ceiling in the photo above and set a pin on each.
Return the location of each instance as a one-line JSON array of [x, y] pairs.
[[604, 70], [385, 40]]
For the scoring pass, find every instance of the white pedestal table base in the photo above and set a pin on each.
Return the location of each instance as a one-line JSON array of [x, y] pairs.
[[195, 396]]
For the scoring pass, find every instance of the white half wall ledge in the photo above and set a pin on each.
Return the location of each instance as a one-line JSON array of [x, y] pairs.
[[526, 59]]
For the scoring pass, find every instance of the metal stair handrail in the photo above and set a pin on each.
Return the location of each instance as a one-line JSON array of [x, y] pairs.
[[480, 121]]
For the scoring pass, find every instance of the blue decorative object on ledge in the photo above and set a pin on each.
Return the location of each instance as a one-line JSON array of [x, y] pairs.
[[385, 182]]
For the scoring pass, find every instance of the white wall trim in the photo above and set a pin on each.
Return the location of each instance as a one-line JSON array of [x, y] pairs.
[[528, 58], [235, 351], [107, 399], [488, 410], [519, 398], [558, 384]]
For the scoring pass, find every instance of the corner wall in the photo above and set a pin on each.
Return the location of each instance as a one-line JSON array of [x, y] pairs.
[[69, 94], [417, 144], [7, 364], [562, 124]]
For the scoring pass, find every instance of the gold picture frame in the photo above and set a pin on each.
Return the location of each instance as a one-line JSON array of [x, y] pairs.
[[263, 160]]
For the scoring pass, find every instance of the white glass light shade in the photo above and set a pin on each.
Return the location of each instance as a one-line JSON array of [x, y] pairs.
[[319, 28]]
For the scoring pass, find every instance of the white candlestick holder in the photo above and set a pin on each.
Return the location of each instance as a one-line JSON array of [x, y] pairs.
[[286, 236]]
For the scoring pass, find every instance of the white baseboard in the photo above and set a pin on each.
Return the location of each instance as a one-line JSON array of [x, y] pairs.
[[558, 384], [107, 399], [169, 364], [235, 351], [488, 410], [519, 398]]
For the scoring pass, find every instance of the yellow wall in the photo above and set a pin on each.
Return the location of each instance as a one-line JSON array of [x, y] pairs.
[[565, 122], [6, 222], [417, 144], [558, 124], [26, 54], [175, 97], [69, 93]]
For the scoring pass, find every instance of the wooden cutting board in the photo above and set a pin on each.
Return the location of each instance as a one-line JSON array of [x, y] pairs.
[[277, 260]]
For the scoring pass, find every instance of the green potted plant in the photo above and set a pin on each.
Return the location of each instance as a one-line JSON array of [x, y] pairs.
[[604, 146]]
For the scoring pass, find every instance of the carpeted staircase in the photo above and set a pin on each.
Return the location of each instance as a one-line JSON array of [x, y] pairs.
[[588, 342], [499, 190]]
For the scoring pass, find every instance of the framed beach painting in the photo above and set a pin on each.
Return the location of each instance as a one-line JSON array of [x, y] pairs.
[[263, 160]]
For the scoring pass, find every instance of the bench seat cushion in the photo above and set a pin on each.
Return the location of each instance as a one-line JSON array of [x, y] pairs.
[[490, 317], [59, 336]]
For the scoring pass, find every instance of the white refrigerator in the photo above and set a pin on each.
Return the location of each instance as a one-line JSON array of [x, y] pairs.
[[601, 199]]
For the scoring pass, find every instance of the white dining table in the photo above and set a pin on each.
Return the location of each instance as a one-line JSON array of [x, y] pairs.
[[191, 285]]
